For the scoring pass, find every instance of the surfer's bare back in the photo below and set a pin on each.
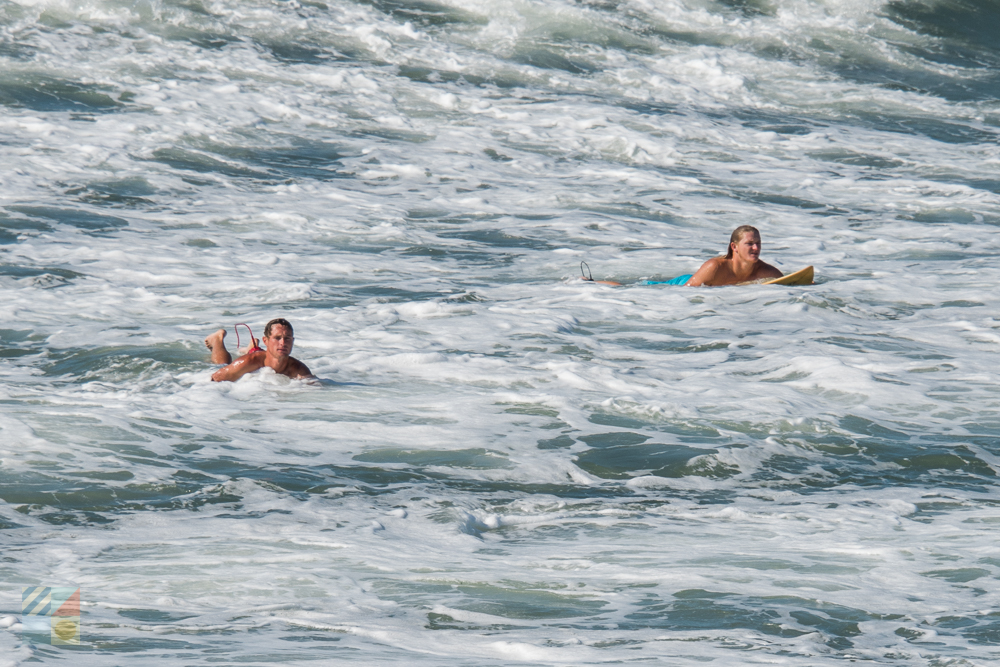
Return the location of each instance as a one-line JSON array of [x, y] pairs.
[[741, 264], [278, 338]]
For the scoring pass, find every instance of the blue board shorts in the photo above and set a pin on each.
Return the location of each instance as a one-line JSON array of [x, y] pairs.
[[679, 280]]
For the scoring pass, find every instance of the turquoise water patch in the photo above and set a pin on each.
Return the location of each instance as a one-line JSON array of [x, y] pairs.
[[473, 459], [128, 192], [779, 615], [504, 600], [189, 160], [310, 54], [960, 576], [561, 442], [423, 13], [52, 277], [635, 460], [85, 220], [496, 238], [11, 229], [19, 343], [40, 93], [120, 363], [969, 28]]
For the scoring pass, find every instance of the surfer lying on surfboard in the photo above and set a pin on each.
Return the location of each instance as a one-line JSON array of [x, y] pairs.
[[741, 264], [279, 340]]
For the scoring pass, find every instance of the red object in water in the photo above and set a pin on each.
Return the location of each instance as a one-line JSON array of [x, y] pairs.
[[255, 348]]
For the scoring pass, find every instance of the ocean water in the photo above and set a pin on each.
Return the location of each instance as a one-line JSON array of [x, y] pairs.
[[502, 464]]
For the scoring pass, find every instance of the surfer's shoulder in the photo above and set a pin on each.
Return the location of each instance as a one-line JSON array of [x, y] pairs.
[[298, 370], [708, 272], [765, 270], [293, 368]]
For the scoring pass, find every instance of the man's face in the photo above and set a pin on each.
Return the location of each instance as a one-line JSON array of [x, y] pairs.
[[279, 343], [748, 249]]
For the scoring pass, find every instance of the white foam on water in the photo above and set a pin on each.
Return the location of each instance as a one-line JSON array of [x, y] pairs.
[[501, 463]]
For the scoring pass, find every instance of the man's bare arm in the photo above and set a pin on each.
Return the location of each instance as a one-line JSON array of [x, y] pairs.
[[706, 274], [248, 363]]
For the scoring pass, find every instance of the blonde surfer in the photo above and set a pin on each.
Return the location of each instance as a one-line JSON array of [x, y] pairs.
[[741, 264]]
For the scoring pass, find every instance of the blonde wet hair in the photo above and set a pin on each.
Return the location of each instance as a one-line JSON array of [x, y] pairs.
[[738, 236]]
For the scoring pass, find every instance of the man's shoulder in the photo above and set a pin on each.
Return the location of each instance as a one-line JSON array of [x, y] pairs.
[[765, 270], [709, 272], [254, 360], [297, 369], [712, 266]]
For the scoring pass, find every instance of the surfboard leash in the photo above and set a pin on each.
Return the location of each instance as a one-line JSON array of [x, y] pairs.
[[255, 348]]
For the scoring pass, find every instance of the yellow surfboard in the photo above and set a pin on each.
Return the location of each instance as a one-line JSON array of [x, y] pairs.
[[800, 277]]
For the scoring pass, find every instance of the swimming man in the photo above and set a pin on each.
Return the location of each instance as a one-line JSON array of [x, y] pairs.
[[278, 338], [741, 264]]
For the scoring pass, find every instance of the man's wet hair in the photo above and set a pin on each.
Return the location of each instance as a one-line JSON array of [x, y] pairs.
[[278, 320], [735, 238]]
